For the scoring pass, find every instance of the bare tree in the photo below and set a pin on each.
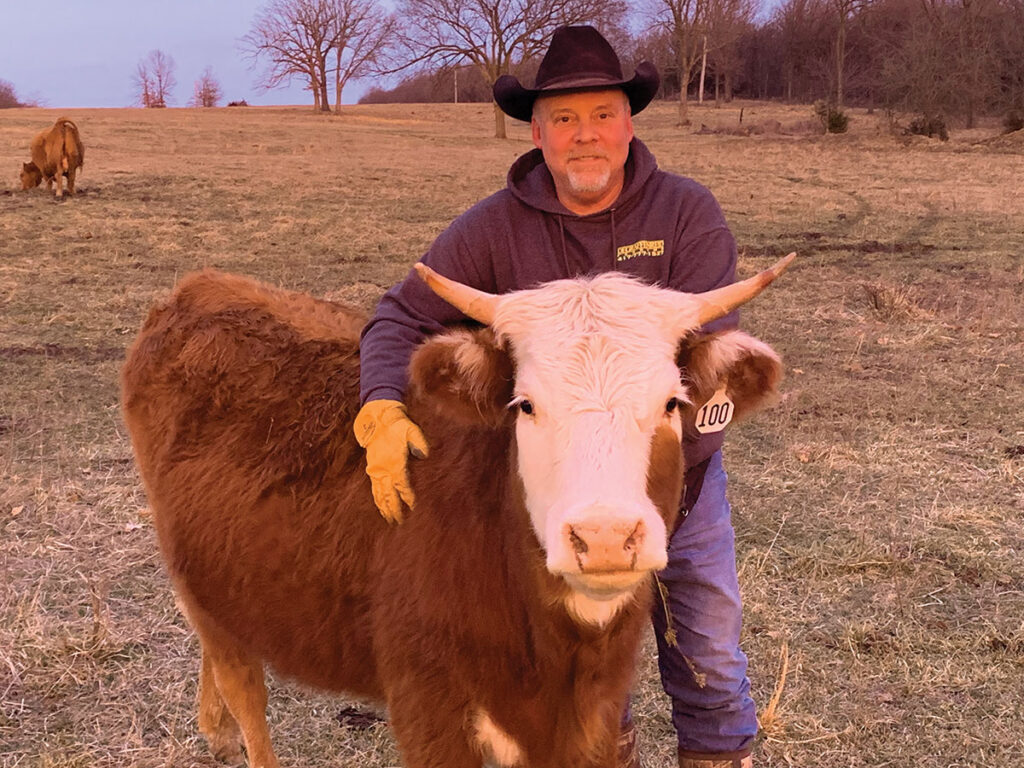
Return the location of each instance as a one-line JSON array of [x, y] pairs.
[[493, 35], [206, 90], [946, 57], [143, 83], [844, 10], [1010, 43], [8, 96], [312, 39], [803, 46], [685, 24], [727, 22], [154, 79], [362, 35], [968, 30], [294, 37], [655, 46]]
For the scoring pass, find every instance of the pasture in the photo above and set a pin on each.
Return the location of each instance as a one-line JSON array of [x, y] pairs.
[[878, 507]]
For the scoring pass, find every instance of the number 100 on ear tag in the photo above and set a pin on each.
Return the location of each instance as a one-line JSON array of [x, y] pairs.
[[715, 414]]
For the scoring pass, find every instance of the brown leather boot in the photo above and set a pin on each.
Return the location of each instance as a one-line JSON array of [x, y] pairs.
[[629, 753], [729, 760]]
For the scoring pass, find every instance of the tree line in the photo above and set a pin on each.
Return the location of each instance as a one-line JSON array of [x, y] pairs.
[[954, 59], [949, 59]]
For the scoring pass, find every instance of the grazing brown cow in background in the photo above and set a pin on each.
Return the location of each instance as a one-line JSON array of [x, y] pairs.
[[502, 620], [56, 152]]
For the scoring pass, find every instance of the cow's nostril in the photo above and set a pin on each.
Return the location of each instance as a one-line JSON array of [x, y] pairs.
[[579, 546], [632, 540]]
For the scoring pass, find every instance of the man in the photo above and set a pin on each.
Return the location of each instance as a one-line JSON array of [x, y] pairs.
[[591, 198]]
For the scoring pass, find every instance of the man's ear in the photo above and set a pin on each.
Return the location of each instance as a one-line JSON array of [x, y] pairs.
[[748, 369], [465, 376]]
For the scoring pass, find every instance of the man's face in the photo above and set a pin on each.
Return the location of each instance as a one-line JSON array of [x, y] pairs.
[[585, 137]]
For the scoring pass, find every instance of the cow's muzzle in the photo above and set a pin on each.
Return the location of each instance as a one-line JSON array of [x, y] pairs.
[[604, 549]]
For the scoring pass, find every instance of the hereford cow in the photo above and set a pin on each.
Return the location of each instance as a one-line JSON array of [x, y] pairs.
[[502, 619], [56, 152]]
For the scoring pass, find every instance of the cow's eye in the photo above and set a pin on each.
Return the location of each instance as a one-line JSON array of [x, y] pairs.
[[522, 405], [672, 404]]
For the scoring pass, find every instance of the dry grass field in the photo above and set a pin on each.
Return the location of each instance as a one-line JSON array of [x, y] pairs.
[[878, 507]]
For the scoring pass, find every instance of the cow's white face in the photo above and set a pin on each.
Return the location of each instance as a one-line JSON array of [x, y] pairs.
[[598, 423], [597, 388]]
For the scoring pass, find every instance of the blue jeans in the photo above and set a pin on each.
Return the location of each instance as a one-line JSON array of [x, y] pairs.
[[704, 672]]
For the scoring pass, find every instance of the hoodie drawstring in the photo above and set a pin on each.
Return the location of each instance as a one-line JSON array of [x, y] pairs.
[[615, 249], [565, 249]]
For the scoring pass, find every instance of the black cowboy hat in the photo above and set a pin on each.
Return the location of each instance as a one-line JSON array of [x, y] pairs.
[[579, 58]]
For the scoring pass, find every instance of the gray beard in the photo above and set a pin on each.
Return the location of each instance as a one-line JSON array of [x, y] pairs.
[[589, 182]]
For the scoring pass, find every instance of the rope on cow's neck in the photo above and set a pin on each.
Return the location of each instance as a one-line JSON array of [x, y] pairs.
[[670, 633], [672, 637]]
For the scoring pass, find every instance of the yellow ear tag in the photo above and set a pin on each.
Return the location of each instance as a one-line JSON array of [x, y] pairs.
[[715, 414]]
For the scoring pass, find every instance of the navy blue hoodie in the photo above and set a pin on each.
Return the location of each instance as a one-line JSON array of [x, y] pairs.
[[666, 229]]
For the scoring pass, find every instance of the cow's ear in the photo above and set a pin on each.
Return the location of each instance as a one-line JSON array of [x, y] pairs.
[[464, 375], [748, 368]]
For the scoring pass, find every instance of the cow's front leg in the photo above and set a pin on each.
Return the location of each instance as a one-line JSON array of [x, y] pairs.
[[59, 176], [239, 680], [71, 181], [431, 730], [216, 722], [232, 692]]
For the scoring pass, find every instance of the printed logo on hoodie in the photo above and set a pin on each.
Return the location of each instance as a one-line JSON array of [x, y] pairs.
[[640, 248]]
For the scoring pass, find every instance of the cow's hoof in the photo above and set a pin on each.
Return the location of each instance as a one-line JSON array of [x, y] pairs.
[[227, 750]]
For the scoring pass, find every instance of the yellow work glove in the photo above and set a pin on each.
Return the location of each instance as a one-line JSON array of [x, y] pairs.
[[383, 428]]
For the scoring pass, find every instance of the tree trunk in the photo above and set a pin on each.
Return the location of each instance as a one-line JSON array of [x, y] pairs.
[[338, 85], [499, 123], [684, 68], [684, 114], [840, 59], [325, 101], [703, 72]]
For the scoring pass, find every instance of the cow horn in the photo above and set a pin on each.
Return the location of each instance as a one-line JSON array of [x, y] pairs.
[[721, 301], [478, 305]]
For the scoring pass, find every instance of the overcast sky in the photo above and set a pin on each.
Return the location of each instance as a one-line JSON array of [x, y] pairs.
[[83, 53]]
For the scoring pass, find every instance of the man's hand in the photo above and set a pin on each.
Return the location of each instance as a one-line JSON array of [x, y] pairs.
[[383, 428]]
